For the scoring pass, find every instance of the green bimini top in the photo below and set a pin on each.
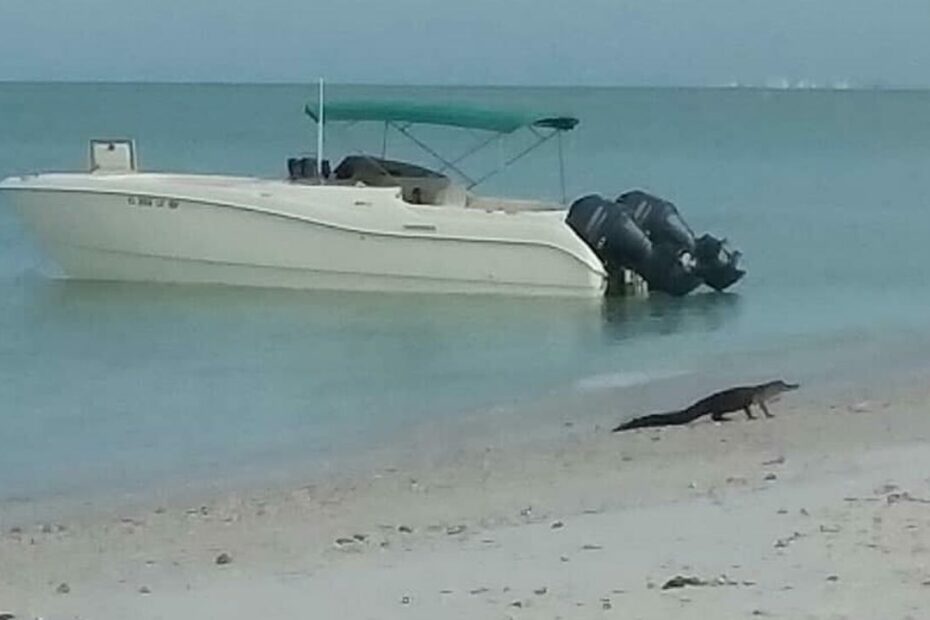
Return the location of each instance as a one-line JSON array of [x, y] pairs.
[[466, 117]]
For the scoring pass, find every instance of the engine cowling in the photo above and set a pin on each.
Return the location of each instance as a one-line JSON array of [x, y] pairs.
[[646, 234], [620, 244]]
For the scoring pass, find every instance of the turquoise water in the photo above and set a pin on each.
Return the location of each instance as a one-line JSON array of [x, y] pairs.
[[118, 385]]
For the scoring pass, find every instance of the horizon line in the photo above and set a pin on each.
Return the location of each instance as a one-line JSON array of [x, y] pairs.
[[755, 87]]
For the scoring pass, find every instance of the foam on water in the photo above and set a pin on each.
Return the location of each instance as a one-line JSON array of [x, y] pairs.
[[616, 380]]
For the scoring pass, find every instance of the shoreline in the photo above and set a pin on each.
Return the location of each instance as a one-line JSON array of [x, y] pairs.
[[564, 418], [585, 517]]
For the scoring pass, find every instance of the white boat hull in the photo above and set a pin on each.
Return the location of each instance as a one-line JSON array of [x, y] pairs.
[[224, 230]]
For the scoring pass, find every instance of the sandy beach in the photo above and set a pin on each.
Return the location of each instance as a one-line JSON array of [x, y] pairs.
[[821, 512]]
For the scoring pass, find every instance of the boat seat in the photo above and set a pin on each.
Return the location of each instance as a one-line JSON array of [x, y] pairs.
[[299, 168]]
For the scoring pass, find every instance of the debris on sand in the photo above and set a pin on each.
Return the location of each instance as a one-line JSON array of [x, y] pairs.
[[454, 530], [681, 581], [223, 558], [63, 588], [782, 543], [905, 496]]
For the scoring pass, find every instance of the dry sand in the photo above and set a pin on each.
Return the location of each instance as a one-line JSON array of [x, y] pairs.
[[822, 512]]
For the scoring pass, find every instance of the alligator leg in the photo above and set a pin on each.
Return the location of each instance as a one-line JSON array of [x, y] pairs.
[[749, 413], [765, 409]]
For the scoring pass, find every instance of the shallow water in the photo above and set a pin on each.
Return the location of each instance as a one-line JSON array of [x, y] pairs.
[[121, 385]]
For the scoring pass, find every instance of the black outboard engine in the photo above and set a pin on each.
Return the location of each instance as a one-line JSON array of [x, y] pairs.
[[716, 264], [610, 232], [647, 234], [659, 218], [620, 244], [671, 271]]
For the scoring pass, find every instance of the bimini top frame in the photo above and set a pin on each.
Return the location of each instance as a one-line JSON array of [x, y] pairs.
[[402, 116]]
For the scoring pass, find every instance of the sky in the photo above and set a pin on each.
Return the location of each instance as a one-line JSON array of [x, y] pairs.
[[519, 42]]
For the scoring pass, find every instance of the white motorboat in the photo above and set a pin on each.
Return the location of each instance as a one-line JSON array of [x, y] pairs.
[[369, 224]]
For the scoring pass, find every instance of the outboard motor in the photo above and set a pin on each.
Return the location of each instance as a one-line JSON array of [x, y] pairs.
[[716, 264], [610, 232], [671, 270], [647, 234], [620, 244], [658, 218]]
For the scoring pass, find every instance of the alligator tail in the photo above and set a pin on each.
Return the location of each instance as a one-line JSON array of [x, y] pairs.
[[655, 419]]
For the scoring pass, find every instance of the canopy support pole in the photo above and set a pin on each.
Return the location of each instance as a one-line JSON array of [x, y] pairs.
[[384, 141], [319, 138], [561, 168], [542, 139], [425, 147], [470, 152]]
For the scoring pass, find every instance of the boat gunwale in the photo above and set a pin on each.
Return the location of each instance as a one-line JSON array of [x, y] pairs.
[[597, 267]]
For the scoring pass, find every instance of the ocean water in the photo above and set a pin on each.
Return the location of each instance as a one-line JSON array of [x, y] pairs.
[[106, 385]]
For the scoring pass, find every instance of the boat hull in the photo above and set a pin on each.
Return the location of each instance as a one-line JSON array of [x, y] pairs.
[[285, 240]]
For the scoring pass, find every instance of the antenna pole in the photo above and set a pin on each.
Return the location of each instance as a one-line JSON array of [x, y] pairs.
[[561, 168], [319, 137], [384, 141]]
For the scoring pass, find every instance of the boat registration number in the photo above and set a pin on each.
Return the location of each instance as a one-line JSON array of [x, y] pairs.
[[152, 201]]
